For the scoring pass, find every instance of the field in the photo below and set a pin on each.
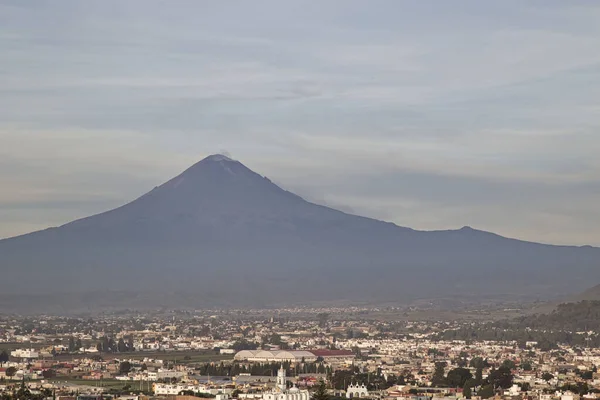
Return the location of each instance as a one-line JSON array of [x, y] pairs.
[[182, 357], [105, 383], [12, 346]]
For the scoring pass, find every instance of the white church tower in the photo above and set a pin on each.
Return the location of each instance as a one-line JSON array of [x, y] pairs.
[[281, 392], [281, 380]]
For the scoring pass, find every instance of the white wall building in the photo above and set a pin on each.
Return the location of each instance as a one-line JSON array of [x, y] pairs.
[[163, 389], [281, 392], [355, 391], [24, 353]]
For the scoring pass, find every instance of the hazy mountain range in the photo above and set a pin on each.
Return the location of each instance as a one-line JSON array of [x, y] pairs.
[[220, 234]]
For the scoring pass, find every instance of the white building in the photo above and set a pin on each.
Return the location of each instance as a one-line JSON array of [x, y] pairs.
[[163, 389], [170, 374], [355, 391], [24, 353], [281, 392]]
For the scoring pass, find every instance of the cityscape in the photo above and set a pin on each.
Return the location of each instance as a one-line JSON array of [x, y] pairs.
[[286, 354]]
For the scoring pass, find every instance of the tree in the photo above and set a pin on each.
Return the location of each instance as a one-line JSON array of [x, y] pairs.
[[467, 391], [71, 344], [526, 366], [322, 318], [49, 373], [478, 362], [121, 347], [23, 393], [547, 376], [486, 392], [587, 375], [438, 378], [130, 345], [510, 364], [11, 371], [244, 344], [321, 392], [4, 356], [501, 377], [124, 367], [478, 376], [458, 377]]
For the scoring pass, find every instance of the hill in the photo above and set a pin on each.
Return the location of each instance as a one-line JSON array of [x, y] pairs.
[[219, 234], [570, 323], [592, 294]]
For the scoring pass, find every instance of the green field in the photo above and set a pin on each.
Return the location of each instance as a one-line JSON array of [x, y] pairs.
[[13, 346], [105, 383], [181, 357]]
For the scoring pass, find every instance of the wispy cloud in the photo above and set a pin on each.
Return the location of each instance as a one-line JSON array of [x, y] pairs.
[[475, 113]]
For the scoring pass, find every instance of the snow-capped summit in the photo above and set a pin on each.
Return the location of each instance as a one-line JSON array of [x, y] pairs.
[[218, 158]]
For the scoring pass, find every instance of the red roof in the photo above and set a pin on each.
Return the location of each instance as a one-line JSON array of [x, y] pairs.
[[331, 353]]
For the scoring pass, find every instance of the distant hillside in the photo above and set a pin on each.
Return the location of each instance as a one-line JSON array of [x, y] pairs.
[[582, 316], [222, 235], [570, 323], [590, 294]]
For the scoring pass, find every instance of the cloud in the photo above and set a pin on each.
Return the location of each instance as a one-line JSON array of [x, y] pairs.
[[428, 114]]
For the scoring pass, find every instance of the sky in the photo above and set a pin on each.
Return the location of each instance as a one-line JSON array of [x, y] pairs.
[[429, 114]]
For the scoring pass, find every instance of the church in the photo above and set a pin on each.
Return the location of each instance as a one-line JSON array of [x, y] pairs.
[[355, 391], [281, 392]]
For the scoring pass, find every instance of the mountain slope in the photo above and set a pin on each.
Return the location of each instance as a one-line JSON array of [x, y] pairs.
[[591, 294], [229, 236]]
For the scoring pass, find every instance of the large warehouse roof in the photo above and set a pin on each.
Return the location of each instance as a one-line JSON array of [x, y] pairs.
[[275, 355], [290, 355]]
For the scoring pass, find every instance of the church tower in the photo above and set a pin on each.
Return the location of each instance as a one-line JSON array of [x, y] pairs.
[[281, 379]]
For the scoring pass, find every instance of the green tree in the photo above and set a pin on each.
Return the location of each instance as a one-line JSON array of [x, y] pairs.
[[244, 344], [130, 345], [486, 392], [10, 371], [438, 378], [322, 318], [479, 376], [458, 377], [121, 347], [501, 377], [467, 391], [547, 376], [321, 392], [124, 367], [478, 362], [49, 373], [587, 375]]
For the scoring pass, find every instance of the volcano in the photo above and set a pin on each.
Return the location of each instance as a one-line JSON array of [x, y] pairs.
[[221, 234]]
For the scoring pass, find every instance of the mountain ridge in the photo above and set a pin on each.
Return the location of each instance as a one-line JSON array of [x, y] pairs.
[[232, 234]]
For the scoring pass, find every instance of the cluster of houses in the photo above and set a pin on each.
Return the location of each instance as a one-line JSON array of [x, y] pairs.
[[148, 355]]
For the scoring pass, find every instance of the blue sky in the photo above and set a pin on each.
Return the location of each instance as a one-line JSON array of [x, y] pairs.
[[430, 114]]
